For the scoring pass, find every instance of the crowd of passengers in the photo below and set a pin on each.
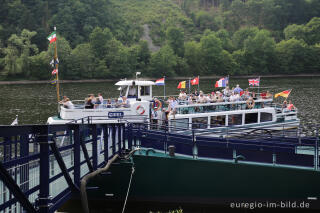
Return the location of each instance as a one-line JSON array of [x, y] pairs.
[[226, 95], [92, 102]]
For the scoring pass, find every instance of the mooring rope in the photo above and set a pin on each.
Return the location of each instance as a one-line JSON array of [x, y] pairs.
[[125, 201]]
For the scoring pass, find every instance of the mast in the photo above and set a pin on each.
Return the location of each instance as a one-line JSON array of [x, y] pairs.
[[56, 67]]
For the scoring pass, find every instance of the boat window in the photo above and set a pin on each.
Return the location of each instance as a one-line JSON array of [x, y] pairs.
[[200, 123], [144, 90], [265, 117], [217, 121], [235, 119], [251, 118], [180, 124], [132, 92], [123, 90]]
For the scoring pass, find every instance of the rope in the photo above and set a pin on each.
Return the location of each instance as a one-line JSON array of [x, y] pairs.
[[125, 201]]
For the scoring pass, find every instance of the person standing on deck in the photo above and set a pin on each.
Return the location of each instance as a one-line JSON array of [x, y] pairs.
[[100, 98], [290, 106]]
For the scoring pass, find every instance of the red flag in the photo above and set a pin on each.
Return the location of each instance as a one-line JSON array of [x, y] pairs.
[[254, 82], [182, 85], [55, 71], [285, 94], [195, 81]]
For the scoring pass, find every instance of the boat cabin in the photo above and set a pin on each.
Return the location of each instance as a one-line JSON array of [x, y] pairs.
[[136, 89], [231, 114]]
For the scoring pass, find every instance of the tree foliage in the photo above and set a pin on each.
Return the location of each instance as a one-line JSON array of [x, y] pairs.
[[103, 38]]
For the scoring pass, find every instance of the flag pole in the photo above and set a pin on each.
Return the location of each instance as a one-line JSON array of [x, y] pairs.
[[56, 67], [228, 80], [164, 88], [189, 84], [259, 88], [198, 83]]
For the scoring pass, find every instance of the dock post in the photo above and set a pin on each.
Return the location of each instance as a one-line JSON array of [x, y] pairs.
[[95, 153], [76, 156], [119, 127], [129, 136], [195, 149], [123, 136], [43, 200], [105, 128], [113, 138], [24, 170], [316, 151]]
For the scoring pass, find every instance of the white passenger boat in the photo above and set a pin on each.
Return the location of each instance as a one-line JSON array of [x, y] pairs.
[[264, 114], [138, 93]]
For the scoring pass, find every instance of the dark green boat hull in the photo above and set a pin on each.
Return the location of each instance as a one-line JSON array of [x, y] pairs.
[[164, 179]]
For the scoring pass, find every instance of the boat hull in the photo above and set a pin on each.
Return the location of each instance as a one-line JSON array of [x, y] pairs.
[[162, 179]]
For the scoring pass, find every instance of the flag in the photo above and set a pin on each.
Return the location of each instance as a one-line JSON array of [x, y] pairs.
[[15, 122], [254, 82], [285, 94], [223, 82], [54, 62], [52, 37], [160, 82], [195, 81], [53, 81], [55, 71], [182, 85]]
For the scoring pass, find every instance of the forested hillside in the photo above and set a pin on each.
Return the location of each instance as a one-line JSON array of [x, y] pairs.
[[100, 39]]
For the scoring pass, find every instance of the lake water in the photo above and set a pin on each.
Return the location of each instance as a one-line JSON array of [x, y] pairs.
[[34, 103]]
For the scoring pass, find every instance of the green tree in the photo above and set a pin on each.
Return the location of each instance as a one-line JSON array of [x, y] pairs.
[[193, 56], [260, 53], [295, 31], [224, 36], [163, 62], [313, 31], [175, 39], [99, 40], [291, 56], [17, 53], [211, 54], [241, 35], [39, 67], [81, 63]]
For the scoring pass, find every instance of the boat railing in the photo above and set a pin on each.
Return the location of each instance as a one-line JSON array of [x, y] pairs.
[[257, 145], [79, 104], [221, 106], [115, 119]]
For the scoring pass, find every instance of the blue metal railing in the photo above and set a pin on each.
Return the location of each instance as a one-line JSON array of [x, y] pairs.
[[41, 165], [275, 147]]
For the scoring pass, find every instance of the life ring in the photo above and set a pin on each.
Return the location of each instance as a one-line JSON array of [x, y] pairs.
[[157, 105], [250, 104], [140, 110]]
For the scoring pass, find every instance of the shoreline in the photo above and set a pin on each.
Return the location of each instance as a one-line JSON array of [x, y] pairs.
[[171, 78]]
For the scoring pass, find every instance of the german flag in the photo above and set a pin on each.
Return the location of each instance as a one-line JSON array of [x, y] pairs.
[[285, 94], [182, 85]]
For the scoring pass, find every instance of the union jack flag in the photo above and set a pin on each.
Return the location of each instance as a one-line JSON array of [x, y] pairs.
[[254, 82]]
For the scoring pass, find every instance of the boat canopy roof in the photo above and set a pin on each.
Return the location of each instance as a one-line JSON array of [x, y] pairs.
[[137, 82]]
